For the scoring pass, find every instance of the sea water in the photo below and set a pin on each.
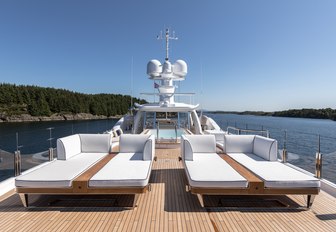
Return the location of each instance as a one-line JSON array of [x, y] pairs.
[[302, 136]]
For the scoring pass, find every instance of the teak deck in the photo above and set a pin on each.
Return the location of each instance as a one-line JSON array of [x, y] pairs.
[[168, 207]]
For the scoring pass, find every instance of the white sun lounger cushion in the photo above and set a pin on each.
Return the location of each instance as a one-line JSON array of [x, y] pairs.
[[144, 144], [100, 143], [124, 170], [208, 170], [238, 143], [68, 147], [149, 149], [263, 147], [275, 174], [59, 173], [192, 144]]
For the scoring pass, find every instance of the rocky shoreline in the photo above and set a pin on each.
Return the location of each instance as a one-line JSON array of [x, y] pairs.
[[54, 117]]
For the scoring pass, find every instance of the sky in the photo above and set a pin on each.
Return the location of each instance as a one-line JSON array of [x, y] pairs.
[[241, 55]]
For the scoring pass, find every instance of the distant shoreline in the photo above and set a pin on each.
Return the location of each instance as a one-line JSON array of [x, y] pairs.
[[327, 113], [54, 117]]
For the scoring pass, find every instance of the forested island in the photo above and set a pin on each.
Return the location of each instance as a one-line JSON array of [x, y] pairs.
[[326, 113], [33, 103]]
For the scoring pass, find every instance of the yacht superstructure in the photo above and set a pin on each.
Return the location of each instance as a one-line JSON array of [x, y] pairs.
[[167, 113]]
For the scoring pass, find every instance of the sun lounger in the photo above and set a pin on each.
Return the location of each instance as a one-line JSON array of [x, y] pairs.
[[81, 157], [259, 155], [130, 170], [249, 167], [206, 171]]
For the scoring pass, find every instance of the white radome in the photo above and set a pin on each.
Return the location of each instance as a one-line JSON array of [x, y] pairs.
[[180, 68], [154, 68]]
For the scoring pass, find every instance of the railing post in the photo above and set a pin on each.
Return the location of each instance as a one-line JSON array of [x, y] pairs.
[[284, 151], [17, 157], [17, 163], [318, 170], [318, 166], [51, 154], [51, 151]]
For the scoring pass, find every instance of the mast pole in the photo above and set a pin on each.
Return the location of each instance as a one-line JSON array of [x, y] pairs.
[[167, 44]]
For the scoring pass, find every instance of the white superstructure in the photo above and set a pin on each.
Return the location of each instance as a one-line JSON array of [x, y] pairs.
[[167, 112]]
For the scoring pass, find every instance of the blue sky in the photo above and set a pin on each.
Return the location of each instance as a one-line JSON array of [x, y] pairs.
[[251, 55]]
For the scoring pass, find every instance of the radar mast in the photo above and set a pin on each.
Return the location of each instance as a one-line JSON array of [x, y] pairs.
[[167, 38]]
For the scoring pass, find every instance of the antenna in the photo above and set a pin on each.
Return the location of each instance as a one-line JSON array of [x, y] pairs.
[[132, 86], [201, 101], [167, 38]]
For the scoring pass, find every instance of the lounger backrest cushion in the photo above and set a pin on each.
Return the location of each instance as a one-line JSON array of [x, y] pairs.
[[265, 148], [95, 143], [132, 143], [202, 143], [197, 144], [68, 146], [149, 149], [238, 143]]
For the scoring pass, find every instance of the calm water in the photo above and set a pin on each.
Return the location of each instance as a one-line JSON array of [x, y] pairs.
[[34, 136], [301, 143]]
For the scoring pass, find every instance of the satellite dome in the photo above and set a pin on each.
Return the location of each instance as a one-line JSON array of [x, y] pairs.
[[167, 67], [154, 68], [180, 68]]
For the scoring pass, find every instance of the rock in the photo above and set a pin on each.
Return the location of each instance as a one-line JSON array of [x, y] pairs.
[[68, 117], [54, 117], [22, 118]]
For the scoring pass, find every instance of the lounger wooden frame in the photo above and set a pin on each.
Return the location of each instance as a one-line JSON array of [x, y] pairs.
[[80, 185], [256, 186]]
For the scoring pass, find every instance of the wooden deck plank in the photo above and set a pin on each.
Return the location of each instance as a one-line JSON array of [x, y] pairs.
[[168, 207]]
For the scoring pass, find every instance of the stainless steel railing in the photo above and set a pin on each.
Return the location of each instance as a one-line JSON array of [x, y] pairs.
[[240, 130], [25, 146]]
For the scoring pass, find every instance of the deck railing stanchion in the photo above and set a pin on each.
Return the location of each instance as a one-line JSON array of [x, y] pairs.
[[318, 164], [17, 157], [284, 151], [17, 163], [51, 151], [51, 154]]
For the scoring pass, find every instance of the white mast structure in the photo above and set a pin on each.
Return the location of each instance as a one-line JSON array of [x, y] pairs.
[[167, 73]]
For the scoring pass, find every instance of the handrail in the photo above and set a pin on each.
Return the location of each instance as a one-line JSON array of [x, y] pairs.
[[175, 132], [239, 130]]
